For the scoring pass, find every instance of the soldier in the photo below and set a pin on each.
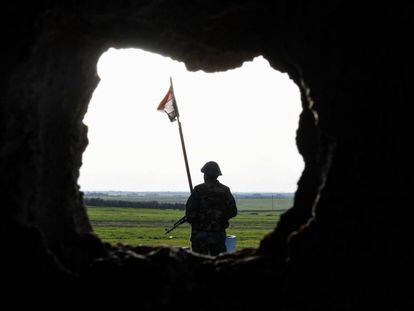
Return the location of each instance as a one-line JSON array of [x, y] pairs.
[[208, 210]]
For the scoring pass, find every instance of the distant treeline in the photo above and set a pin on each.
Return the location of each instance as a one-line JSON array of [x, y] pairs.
[[240, 195], [132, 204]]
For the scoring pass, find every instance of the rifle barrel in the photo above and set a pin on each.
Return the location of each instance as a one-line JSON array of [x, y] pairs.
[[176, 224]]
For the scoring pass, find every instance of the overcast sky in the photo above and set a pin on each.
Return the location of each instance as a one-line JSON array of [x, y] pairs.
[[245, 119]]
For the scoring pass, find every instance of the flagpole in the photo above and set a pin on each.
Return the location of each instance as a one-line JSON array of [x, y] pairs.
[[185, 155], [183, 145]]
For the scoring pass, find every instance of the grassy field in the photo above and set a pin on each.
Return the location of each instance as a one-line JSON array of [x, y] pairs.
[[242, 203], [147, 226]]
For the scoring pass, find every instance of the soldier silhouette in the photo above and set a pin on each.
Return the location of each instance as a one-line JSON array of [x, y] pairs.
[[208, 210]]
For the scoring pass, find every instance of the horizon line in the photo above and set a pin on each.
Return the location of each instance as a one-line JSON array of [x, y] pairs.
[[184, 191]]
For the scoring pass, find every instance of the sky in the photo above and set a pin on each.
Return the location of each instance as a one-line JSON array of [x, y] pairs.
[[245, 119]]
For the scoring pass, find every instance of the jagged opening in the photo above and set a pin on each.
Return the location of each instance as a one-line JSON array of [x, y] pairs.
[[245, 119], [355, 254]]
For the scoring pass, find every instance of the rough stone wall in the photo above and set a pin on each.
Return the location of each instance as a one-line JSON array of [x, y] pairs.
[[344, 245], [357, 67]]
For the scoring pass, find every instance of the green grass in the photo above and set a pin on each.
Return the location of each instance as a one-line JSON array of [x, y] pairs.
[[242, 203], [263, 204], [146, 226]]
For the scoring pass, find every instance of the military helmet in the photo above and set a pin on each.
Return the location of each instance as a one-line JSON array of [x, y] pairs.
[[211, 168]]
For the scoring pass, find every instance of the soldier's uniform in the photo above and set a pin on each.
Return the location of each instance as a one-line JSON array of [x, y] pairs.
[[208, 210]]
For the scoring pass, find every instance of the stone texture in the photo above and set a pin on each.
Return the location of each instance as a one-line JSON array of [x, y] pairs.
[[346, 242]]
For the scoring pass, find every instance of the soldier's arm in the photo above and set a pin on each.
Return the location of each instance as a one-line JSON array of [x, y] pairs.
[[192, 207]]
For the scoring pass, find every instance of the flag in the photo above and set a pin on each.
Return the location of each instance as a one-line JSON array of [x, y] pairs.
[[169, 105]]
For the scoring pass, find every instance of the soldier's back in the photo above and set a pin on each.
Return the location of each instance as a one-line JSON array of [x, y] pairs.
[[214, 198]]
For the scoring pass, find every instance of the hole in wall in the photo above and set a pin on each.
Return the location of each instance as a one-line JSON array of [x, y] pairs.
[[133, 173]]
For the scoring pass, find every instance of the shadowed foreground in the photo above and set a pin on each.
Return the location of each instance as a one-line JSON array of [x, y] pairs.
[[330, 251]]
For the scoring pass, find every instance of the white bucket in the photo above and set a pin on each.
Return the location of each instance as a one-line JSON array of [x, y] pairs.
[[231, 243]]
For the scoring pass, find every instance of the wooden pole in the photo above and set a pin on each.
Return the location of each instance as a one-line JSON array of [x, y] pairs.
[[185, 155], [180, 129]]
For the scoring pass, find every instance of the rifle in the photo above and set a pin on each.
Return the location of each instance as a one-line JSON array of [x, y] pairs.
[[179, 222]]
